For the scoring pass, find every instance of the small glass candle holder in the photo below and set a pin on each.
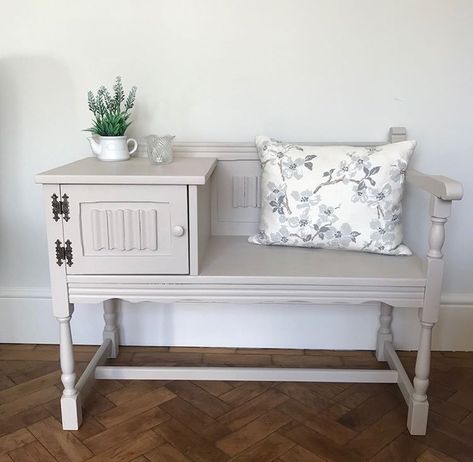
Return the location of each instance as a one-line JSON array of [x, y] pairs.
[[160, 149]]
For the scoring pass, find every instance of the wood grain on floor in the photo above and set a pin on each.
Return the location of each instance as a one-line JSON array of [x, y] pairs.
[[185, 421]]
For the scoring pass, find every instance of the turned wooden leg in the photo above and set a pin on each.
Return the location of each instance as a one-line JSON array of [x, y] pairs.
[[428, 315], [111, 326], [71, 409], [419, 406], [385, 333]]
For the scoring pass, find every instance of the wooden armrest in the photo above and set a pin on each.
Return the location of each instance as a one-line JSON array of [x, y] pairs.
[[440, 186]]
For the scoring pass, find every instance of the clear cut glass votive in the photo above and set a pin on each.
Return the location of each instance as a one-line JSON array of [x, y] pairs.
[[160, 149]]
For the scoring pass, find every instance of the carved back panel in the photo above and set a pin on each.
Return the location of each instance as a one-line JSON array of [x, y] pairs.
[[236, 197]]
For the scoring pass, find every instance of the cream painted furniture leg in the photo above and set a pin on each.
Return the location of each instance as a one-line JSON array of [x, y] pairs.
[[428, 315], [110, 331], [71, 409], [385, 333], [419, 406], [70, 403]]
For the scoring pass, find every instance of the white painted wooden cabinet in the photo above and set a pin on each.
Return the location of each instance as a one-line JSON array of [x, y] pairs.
[[141, 232]]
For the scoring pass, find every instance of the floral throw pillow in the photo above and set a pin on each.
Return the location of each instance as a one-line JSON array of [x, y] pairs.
[[333, 197]]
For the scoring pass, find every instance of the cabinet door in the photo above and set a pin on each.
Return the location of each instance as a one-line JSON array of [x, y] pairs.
[[127, 229]]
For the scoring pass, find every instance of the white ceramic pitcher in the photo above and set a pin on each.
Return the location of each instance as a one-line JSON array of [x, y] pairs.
[[112, 148]]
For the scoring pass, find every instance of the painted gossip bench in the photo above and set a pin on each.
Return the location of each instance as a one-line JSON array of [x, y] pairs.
[[178, 233]]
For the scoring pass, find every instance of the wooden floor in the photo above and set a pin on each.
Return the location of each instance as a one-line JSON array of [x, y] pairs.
[[219, 421]]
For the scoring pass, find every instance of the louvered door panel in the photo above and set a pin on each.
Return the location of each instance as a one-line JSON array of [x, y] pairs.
[[127, 229]]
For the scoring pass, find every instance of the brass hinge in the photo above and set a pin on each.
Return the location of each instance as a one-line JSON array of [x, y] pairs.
[[64, 253], [60, 207]]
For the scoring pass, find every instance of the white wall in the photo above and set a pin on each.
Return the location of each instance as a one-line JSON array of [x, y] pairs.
[[226, 70]]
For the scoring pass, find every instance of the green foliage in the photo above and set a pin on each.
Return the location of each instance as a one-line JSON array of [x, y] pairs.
[[111, 113]]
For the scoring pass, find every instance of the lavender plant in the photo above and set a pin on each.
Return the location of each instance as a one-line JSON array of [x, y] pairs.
[[111, 113]]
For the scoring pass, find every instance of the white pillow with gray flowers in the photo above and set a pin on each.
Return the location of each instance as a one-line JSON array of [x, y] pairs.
[[333, 197]]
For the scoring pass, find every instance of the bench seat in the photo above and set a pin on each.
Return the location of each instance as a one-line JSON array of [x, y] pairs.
[[233, 259]]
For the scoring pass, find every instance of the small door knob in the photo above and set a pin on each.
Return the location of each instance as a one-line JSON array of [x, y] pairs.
[[178, 231]]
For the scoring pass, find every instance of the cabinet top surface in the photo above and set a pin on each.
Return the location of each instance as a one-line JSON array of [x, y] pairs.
[[183, 170]]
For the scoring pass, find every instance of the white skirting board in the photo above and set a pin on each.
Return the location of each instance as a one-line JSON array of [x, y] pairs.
[[25, 317]]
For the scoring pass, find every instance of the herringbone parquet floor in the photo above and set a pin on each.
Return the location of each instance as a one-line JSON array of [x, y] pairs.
[[185, 421]]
